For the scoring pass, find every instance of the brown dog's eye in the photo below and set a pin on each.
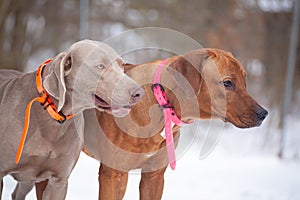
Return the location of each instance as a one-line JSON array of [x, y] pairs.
[[228, 85]]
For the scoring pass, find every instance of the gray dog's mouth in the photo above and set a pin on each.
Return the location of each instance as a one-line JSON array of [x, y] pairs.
[[100, 103], [116, 110]]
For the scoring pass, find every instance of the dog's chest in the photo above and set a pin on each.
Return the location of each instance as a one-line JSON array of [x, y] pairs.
[[51, 141]]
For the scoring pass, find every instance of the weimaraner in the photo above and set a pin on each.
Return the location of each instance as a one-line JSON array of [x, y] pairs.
[[87, 75]]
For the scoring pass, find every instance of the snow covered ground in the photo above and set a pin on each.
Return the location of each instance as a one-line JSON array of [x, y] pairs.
[[238, 168]]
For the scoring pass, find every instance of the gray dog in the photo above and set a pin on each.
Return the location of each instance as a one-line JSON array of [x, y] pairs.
[[87, 75]]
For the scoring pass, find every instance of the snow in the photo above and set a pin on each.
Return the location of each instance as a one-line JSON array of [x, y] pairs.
[[238, 168]]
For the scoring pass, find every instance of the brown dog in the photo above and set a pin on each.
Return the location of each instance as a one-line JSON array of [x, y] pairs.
[[201, 84]]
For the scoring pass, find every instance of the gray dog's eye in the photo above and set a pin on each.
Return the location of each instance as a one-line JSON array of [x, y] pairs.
[[100, 66]]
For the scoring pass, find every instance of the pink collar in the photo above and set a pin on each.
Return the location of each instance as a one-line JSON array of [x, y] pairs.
[[169, 113]]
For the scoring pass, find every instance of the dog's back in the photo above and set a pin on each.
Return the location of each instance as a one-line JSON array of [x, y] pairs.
[[7, 74]]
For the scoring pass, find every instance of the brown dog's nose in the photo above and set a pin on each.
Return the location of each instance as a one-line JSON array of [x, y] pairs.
[[136, 95], [261, 114]]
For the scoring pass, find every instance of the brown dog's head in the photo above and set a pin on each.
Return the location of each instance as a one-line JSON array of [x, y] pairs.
[[219, 81]]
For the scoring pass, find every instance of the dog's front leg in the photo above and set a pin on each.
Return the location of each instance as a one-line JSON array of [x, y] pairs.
[[112, 183], [21, 190], [152, 185], [56, 189]]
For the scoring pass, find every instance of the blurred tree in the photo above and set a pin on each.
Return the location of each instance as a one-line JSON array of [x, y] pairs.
[[29, 28], [13, 32], [289, 76], [277, 34]]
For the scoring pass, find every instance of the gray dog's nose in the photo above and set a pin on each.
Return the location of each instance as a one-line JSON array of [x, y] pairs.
[[136, 95], [261, 114]]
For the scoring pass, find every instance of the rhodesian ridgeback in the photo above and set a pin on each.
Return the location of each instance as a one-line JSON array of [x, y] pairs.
[[201, 84]]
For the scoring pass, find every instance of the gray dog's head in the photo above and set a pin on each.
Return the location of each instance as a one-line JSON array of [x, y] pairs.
[[90, 75]]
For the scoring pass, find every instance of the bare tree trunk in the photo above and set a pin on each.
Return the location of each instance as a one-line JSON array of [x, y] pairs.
[[289, 77], [276, 51], [16, 58]]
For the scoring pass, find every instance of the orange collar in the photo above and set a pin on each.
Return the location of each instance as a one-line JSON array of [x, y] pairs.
[[48, 105], [47, 102]]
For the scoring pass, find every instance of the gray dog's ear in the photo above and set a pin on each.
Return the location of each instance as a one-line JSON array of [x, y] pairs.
[[54, 81]]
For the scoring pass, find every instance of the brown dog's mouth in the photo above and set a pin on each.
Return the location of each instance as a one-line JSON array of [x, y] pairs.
[[244, 121], [225, 119]]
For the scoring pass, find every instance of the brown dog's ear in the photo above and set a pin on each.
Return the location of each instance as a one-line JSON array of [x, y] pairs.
[[190, 66], [127, 67]]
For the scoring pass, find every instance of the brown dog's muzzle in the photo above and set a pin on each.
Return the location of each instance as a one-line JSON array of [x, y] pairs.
[[261, 114], [252, 118]]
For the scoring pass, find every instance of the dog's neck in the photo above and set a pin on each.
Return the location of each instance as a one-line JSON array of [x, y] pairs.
[[180, 94], [68, 107], [75, 104], [186, 90]]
